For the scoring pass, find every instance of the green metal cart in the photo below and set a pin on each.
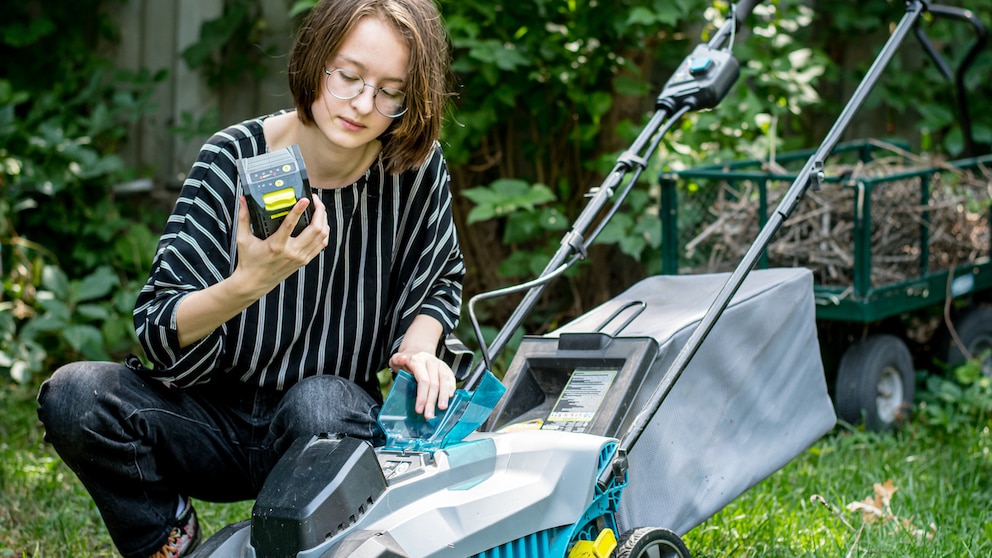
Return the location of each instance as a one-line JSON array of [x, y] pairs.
[[869, 325]]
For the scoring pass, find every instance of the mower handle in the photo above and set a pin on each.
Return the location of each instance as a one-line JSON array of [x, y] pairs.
[[809, 176], [744, 10], [740, 12]]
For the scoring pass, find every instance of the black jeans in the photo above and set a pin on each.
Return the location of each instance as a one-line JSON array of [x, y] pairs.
[[137, 445]]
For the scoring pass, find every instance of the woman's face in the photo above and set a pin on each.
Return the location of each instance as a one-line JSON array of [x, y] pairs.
[[375, 52]]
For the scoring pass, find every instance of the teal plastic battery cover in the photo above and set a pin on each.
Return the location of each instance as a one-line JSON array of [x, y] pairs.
[[407, 430]]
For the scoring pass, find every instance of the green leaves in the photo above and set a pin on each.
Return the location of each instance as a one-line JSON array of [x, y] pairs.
[[636, 231], [528, 220], [72, 252], [662, 13], [96, 285], [75, 310], [19, 36], [301, 7], [959, 399], [505, 196], [503, 55], [20, 357], [228, 48]]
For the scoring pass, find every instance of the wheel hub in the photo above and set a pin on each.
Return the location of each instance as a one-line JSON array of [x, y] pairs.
[[890, 394]]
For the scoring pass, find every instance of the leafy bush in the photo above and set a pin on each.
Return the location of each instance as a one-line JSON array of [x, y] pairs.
[[912, 90], [228, 47], [548, 95], [960, 399], [73, 254]]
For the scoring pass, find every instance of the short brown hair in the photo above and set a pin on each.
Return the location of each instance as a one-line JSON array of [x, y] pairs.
[[410, 139]]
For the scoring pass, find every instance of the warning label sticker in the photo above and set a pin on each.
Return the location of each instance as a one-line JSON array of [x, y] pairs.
[[580, 400]]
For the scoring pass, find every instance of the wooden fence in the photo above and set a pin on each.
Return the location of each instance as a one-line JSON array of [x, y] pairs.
[[155, 33]]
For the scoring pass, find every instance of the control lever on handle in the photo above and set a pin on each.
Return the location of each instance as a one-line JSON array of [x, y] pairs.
[[703, 79]]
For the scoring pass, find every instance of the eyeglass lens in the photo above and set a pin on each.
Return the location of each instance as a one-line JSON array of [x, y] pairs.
[[347, 85]]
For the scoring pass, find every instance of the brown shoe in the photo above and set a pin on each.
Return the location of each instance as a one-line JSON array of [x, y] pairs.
[[184, 538]]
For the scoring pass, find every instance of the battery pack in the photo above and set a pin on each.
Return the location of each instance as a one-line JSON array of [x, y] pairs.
[[273, 182]]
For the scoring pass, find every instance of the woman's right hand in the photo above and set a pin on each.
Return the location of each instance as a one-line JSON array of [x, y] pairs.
[[262, 264], [266, 263]]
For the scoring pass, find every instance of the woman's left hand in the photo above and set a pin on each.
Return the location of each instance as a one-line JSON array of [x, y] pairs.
[[435, 380]]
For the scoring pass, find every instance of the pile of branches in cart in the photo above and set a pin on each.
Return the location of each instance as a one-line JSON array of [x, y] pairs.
[[819, 234]]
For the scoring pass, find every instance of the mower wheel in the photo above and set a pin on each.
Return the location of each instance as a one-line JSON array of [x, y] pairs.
[[974, 330], [876, 381], [650, 542]]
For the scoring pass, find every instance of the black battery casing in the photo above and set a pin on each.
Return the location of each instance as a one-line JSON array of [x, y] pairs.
[[272, 183]]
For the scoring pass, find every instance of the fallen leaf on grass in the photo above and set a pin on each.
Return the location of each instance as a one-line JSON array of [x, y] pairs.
[[876, 508]]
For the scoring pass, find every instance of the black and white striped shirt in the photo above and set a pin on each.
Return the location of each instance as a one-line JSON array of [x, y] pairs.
[[392, 254]]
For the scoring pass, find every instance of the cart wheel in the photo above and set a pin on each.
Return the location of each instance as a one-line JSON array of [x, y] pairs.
[[875, 377], [650, 542], [974, 329]]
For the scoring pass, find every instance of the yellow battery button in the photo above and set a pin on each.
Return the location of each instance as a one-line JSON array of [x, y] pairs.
[[280, 199]]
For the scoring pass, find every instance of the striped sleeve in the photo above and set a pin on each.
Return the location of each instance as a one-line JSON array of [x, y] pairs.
[[434, 286], [194, 252], [443, 301]]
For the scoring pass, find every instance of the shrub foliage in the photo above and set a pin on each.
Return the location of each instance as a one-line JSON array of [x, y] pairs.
[[548, 93]]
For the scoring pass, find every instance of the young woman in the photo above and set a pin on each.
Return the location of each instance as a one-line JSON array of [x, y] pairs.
[[256, 343]]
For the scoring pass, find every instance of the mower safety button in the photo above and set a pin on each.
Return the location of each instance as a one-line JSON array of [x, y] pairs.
[[699, 65], [280, 199]]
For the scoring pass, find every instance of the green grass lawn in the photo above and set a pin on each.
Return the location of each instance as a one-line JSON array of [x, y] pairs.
[[934, 494], [933, 499]]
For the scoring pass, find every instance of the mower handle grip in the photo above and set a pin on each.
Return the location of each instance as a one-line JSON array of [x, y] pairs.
[[725, 34], [743, 10]]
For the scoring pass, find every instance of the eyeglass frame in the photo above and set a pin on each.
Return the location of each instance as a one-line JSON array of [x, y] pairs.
[[375, 91]]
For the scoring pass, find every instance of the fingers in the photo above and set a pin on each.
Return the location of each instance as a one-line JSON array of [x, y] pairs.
[[318, 222], [426, 396], [315, 235], [244, 219], [311, 240], [269, 261], [447, 389], [245, 238], [435, 381], [288, 225]]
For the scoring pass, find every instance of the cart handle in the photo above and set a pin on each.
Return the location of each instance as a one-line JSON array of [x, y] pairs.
[[981, 39]]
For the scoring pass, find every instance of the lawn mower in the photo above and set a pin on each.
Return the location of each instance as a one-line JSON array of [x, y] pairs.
[[573, 454]]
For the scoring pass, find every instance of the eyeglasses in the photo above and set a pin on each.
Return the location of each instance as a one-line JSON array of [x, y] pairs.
[[346, 85]]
